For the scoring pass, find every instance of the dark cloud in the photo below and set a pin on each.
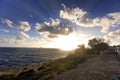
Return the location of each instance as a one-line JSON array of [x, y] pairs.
[[52, 36], [54, 28]]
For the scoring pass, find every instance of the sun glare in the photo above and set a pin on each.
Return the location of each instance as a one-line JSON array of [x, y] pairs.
[[65, 42]]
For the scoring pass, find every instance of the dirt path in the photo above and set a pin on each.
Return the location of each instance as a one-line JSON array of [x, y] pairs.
[[102, 67]]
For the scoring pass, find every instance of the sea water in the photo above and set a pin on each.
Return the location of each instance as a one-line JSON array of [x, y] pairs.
[[10, 57]]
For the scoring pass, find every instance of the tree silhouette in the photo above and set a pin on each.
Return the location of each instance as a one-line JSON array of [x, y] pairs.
[[98, 45], [81, 49]]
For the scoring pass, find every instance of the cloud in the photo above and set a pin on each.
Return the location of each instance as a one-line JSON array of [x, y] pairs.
[[23, 25], [80, 17], [53, 28], [113, 37], [5, 40], [24, 35], [35, 39], [21, 40], [4, 30], [21, 37], [72, 14], [114, 34]]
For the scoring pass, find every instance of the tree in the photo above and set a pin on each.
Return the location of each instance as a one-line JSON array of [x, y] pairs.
[[81, 49], [93, 42], [101, 46], [98, 45]]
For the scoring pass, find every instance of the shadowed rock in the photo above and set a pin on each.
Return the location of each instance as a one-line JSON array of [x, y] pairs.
[[7, 77], [27, 75]]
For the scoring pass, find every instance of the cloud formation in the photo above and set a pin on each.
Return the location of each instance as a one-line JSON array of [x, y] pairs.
[[6, 40], [21, 37], [4, 30], [54, 28], [113, 35], [80, 17], [13, 42], [23, 25]]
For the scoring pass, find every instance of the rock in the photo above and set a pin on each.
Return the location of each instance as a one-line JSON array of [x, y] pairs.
[[42, 67], [116, 76], [25, 75], [7, 77]]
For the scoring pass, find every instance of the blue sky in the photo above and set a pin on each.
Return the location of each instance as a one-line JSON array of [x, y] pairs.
[[38, 23]]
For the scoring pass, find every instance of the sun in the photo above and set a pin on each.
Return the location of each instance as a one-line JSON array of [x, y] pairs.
[[68, 42], [65, 43]]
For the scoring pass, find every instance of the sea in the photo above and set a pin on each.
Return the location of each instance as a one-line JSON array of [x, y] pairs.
[[12, 57]]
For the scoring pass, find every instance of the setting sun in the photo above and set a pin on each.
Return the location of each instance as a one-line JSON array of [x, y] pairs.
[[66, 42], [69, 42]]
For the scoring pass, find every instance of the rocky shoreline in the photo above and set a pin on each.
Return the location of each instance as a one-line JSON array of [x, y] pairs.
[[18, 72], [73, 67], [18, 69], [44, 71]]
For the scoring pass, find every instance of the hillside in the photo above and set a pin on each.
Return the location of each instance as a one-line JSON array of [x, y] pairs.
[[101, 67]]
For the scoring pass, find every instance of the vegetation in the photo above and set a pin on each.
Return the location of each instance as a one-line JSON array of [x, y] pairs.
[[68, 63], [47, 71], [98, 45]]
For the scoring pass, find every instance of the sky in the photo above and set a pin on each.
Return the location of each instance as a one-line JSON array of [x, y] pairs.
[[58, 23]]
